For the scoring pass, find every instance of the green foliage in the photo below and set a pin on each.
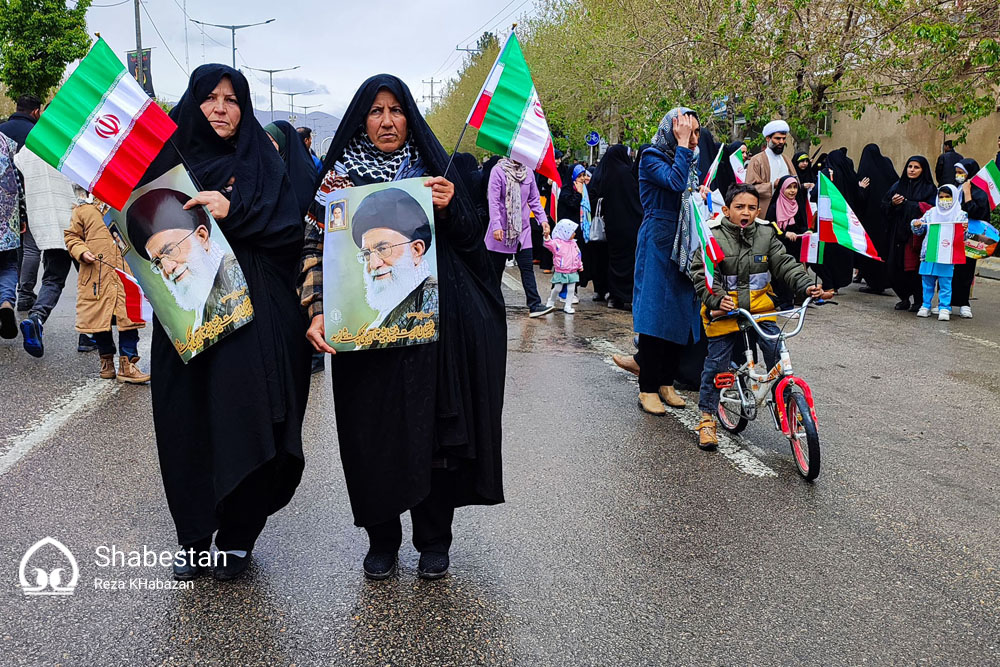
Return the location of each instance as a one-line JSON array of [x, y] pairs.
[[616, 66], [37, 39]]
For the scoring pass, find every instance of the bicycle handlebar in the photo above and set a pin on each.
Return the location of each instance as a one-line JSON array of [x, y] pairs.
[[752, 318]]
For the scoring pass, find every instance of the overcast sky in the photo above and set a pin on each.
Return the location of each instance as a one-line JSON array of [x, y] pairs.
[[337, 44]]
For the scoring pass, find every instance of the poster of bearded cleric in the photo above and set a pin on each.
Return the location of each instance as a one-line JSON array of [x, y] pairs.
[[183, 263], [380, 266]]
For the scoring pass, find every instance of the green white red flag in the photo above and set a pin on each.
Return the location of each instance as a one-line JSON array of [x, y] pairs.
[[711, 252], [988, 179], [838, 223], [510, 117], [137, 306], [710, 176], [738, 162], [101, 130], [811, 251], [945, 243]]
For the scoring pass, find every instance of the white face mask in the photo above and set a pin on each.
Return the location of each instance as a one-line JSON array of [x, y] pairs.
[[960, 178], [945, 204]]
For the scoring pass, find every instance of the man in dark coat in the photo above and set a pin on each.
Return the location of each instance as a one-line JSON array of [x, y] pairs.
[[944, 171], [29, 108]]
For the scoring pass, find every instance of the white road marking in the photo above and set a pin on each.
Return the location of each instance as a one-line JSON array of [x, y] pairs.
[[972, 339], [40, 430], [510, 281], [736, 449]]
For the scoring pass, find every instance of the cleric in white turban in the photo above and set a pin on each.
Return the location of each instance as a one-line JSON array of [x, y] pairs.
[[768, 167]]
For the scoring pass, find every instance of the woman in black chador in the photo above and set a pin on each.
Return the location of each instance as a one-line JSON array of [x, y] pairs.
[[229, 422], [419, 426]]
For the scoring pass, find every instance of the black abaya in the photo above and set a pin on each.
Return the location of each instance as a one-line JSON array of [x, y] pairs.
[[879, 170], [838, 261], [619, 191], [236, 408], [404, 411], [902, 257]]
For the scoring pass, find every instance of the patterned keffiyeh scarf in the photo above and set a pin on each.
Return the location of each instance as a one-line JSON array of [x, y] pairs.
[[362, 159]]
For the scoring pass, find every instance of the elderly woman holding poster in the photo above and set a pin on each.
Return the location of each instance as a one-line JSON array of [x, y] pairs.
[[418, 425], [229, 422]]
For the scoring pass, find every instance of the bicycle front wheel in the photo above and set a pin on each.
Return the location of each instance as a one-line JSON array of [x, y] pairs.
[[804, 436]]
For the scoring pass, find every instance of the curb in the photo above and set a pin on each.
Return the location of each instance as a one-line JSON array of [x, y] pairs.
[[989, 268]]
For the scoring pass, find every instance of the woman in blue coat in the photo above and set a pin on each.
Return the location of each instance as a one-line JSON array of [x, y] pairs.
[[664, 305]]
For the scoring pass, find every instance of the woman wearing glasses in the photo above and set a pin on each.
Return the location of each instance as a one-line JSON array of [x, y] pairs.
[[229, 422], [418, 426]]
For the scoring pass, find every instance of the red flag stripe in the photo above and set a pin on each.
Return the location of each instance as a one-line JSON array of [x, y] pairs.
[[118, 177]]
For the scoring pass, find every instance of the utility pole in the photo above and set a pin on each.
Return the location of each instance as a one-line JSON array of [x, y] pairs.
[[432, 96], [306, 110], [270, 81], [231, 28], [138, 46]]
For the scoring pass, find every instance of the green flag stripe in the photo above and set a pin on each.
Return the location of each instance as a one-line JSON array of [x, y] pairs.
[[81, 96], [510, 100], [838, 210]]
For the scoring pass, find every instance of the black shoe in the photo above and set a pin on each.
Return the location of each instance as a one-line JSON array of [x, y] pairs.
[[902, 305], [379, 565], [871, 290], [31, 330], [432, 565], [86, 343], [540, 311], [318, 364], [229, 566], [185, 570], [8, 321], [599, 297], [914, 308]]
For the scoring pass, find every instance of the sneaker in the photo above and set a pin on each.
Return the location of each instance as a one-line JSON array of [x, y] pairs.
[[510, 264], [31, 330], [924, 312], [965, 312], [944, 316], [432, 565], [86, 343], [8, 321], [935, 310], [541, 310], [568, 309], [550, 304], [379, 565]]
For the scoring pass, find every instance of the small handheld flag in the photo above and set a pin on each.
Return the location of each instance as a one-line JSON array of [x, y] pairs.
[[988, 179], [838, 223], [711, 252], [137, 306], [101, 130], [812, 249]]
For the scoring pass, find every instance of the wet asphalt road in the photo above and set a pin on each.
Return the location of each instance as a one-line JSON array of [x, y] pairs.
[[620, 542]]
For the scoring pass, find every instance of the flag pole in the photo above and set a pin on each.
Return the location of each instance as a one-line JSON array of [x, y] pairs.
[[452, 158], [194, 179]]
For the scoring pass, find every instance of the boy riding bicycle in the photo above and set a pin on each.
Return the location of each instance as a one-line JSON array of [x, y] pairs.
[[752, 255]]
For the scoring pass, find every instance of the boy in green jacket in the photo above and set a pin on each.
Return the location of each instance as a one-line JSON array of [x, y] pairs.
[[752, 255]]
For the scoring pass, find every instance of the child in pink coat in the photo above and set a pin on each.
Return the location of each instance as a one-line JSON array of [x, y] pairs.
[[567, 262]]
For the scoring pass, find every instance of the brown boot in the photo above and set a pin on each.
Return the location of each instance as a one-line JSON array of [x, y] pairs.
[[129, 372], [707, 438], [626, 362], [651, 404], [671, 397], [107, 367]]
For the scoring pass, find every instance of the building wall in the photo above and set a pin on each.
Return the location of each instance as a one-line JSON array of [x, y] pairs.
[[914, 137]]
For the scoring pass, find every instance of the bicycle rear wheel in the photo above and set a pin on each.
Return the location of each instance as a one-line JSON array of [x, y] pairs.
[[730, 418], [804, 436]]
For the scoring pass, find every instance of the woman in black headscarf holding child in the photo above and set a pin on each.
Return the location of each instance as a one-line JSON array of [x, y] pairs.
[[229, 422], [418, 426]]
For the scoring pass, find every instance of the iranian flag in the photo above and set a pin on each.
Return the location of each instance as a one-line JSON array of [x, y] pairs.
[[711, 253], [812, 249], [738, 162], [988, 179], [945, 243], [509, 116], [101, 130], [838, 223], [137, 306], [710, 176]]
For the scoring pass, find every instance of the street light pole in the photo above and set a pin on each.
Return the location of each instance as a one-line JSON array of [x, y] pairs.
[[306, 109], [291, 99], [270, 81], [233, 29]]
